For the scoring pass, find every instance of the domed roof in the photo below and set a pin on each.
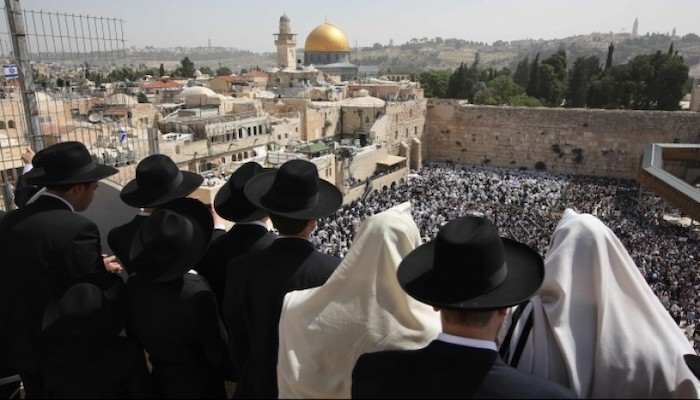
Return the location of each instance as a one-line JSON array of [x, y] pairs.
[[284, 18], [326, 37]]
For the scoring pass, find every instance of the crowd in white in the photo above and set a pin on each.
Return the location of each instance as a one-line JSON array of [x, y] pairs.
[[526, 205]]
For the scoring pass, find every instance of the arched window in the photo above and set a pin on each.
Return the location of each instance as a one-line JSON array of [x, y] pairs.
[[2, 124], [11, 124]]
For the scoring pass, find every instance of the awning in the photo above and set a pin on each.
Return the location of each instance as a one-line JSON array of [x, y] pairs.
[[390, 160]]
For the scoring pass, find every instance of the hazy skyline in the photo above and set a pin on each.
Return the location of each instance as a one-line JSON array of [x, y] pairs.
[[250, 25]]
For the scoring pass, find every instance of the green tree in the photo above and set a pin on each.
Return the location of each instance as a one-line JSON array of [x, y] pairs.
[[548, 79], [504, 89], [522, 72], [141, 97], [670, 76], [584, 70], [533, 84], [206, 70], [224, 71], [613, 89], [609, 60], [485, 96], [462, 83], [151, 71], [161, 70], [457, 85], [558, 63], [525, 101], [434, 83], [186, 68], [123, 74]]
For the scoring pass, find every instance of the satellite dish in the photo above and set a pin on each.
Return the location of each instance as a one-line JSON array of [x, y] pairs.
[[107, 209]]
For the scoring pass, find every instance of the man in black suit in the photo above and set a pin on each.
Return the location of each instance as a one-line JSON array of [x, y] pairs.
[[471, 275], [44, 244], [87, 356], [250, 232], [158, 181], [256, 283], [174, 313]]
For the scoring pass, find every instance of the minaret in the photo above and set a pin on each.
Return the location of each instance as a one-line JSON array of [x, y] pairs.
[[286, 43], [635, 27]]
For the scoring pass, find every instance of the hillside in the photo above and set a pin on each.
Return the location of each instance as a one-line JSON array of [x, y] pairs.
[[438, 54]]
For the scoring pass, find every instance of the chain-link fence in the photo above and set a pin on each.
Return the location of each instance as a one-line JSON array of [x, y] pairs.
[[51, 92]]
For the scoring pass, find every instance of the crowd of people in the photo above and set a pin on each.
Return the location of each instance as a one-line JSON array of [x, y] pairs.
[[526, 205], [464, 281]]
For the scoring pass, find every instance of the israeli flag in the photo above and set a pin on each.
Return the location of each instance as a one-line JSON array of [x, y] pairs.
[[122, 134]]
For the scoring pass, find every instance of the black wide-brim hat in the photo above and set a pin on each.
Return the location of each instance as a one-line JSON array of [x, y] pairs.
[[230, 201], [693, 362], [158, 181], [172, 240], [93, 305], [66, 163], [294, 191], [469, 266]]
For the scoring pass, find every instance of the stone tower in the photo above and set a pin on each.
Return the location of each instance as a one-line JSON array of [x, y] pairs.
[[286, 43], [635, 27]]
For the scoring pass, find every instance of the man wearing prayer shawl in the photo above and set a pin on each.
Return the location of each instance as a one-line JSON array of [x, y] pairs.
[[596, 325], [360, 309]]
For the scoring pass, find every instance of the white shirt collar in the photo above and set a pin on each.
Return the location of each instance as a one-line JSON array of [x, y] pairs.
[[464, 341]]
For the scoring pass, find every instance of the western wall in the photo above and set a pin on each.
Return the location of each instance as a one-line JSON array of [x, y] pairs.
[[581, 141]]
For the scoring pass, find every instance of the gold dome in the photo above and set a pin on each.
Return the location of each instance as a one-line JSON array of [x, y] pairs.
[[326, 37]]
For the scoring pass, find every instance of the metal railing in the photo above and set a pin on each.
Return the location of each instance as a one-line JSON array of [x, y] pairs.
[[47, 95]]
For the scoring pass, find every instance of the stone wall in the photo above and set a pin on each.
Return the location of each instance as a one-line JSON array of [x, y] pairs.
[[580, 141], [406, 120]]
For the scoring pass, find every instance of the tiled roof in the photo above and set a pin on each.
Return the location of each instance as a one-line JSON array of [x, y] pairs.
[[231, 78], [162, 85]]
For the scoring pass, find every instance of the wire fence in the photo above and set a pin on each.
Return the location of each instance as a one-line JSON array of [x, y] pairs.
[[63, 52]]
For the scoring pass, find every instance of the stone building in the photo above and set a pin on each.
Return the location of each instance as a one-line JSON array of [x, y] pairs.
[[327, 49], [286, 43]]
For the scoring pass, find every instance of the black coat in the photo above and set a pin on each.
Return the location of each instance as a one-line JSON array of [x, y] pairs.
[[239, 240], [445, 370], [255, 287], [44, 244], [178, 324], [110, 368]]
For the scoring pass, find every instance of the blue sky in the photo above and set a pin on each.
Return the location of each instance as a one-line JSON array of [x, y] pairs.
[[249, 25]]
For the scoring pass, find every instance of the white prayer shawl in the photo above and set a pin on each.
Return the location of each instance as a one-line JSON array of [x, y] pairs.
[[360, 309], [597, 326]]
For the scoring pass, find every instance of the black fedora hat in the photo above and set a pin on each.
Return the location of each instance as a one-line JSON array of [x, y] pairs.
[[93, 304], [469, 266], [172, 240], [158, 180], [693, 362], [230, 201], [294, 191], [66, 163]]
